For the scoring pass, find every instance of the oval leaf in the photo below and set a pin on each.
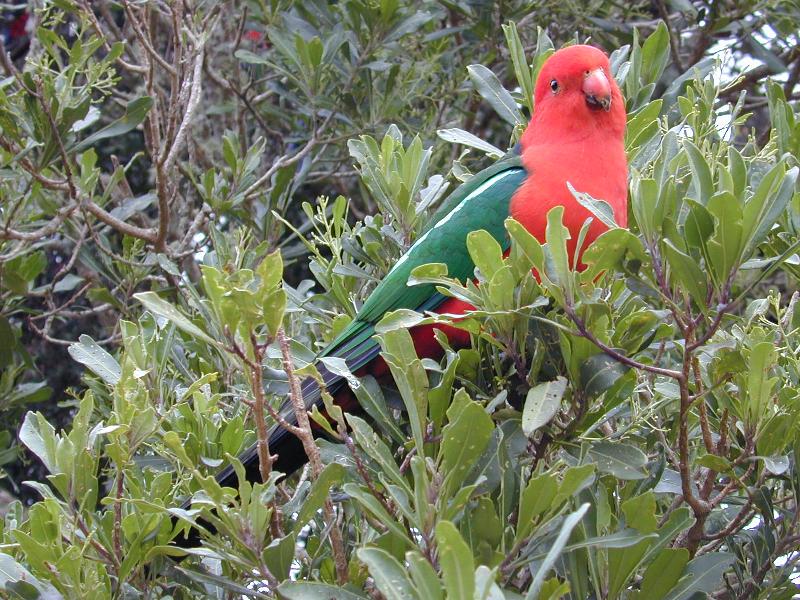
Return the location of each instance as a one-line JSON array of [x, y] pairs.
[[542, 404]]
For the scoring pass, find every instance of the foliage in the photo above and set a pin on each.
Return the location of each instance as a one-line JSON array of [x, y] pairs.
[[623, 428]]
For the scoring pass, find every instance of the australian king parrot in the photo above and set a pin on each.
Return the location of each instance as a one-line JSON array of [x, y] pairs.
[[576, 135]]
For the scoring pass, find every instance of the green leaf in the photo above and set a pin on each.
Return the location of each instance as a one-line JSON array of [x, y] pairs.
[[542, 404], [526, 244], [642, 127], [553, 589], [574, 481], [613, 250], [29, 393], [702, 184], [40, 438], [370, 398], [135, 113], [20, 272], [250, 58], [309, 590], [441, 394], [389, 575], [698, 70], [157, 305], [486, 253], [598, 207], [644, 205], [485, 586], [270, 270], [557, 235], [428, 273], [425, 580], [332, 474], [737, 169], [570, 522], [410, 377], [767, 204], [640, 512], [315, 51], [678, 521], [599, 373], [465, 138], [464, 438], [8, 342], [402, 318], [455, 558], [726, 245], [535, 500], [703, 575], [663, 573], [373, 445], [619, 539], [777, 465], [273, 309], [759, 384], [279, 555], [370, 503], [620, 460], [522, 70], [12, 573], [655, 53], [686, 273], [207, 578], [698, 228], [711, 461], [490, 88], [484, 523], [87, 352]]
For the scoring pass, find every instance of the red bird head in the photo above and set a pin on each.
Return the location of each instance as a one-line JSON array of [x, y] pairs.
[[576, 136], [576, 95]]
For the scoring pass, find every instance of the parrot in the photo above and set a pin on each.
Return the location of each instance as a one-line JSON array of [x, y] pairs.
[[576, 136]]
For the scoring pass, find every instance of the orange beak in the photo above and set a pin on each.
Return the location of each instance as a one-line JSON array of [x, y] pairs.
[[597, 90]]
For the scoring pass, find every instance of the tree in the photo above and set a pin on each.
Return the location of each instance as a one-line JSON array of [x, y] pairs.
[[173, 174]]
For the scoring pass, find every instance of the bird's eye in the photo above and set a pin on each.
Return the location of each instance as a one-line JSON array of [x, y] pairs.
[[554, 85]]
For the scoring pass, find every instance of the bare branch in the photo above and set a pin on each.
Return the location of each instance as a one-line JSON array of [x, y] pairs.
[[136, 24]]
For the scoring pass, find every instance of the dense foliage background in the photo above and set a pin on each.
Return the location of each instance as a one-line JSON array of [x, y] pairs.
[[197, 195]]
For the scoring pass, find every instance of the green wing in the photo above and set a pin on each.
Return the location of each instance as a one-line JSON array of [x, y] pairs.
[[480, 203]]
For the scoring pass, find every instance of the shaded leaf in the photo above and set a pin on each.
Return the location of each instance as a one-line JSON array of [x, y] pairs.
[[135, 113], [542, 404], [703, 575], [600, 372], [570, 522], [620, 460]]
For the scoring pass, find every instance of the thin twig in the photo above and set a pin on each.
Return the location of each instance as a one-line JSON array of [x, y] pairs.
[[312, 452], [616, 355]]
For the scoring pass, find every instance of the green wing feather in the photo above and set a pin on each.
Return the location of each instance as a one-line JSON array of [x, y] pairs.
[[480, 203]]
